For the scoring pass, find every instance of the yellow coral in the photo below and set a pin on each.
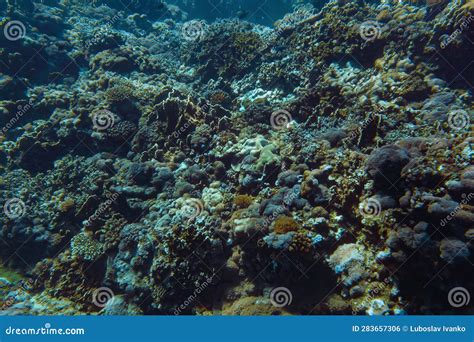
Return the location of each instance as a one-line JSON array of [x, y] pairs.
[[285, 224], [243, 201]]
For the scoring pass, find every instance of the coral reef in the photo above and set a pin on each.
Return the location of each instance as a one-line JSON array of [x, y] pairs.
[[176, 166]]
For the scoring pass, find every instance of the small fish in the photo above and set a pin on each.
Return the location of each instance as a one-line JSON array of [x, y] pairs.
[[242, 14]]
